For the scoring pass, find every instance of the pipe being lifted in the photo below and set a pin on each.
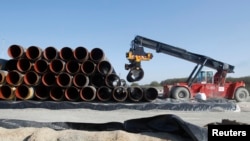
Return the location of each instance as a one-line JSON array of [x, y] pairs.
[[14, 78], [104, 93], [16, 51], [7, 92], [81, 54], [24, 92], [56, 66], [150, 94], [48, 79], [72, 66], [80, 80], [135, 93], [64, 80], [31, 78], [72, 94], [88, 67], [33, 53], [24, 65], [57, 93], [88, 93], [42, 92], [66, 53], [41, 66], [120, 94], [96, 55], [50, 53]]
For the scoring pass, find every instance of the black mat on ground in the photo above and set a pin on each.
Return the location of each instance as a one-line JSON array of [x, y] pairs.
[[162, 123], [166, 104]]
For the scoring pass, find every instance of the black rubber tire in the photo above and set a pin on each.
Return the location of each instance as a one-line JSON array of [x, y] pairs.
[[181, 93], [241, 95]]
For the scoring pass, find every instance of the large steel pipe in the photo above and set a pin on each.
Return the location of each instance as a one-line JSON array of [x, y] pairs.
[[24, 92], [88, 67], [42, 92], [57, 93], [14, 78], [41, 66], [97, 80], [104, 67], [33, 53], [80, 80], [96, 55], [48, 79], [81, 54], [64, 80], [135, 93], [11, 65], [88, 93], [72, 66], [3, 75], [112, 80], [16, 51], [7, 92], [31, 78], [50, 53], [120, 94], [72, 94], [150, 94], [104, 93], [66, 53], [56, 66], [24, 65]]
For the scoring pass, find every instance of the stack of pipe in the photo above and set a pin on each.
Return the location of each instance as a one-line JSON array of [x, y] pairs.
[[68, 74]]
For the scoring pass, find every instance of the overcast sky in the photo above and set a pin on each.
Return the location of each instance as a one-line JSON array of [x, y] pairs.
[[216, 28]]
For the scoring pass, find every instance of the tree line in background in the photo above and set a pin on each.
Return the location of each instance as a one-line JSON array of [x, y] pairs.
[[246, 79]]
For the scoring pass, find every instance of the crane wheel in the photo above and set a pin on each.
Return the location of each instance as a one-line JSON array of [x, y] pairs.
[[241, 95], [181, 93]]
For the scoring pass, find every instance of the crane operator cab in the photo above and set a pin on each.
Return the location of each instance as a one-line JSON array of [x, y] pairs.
[[205, 77]]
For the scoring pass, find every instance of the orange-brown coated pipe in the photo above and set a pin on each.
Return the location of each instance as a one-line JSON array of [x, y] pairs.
[[7, 92], [41, 66], [66, 53], [64, 80], [96, 55], [104, 93], [33, 53], [31, 78], [72, 66], [56, 66], [72, 94], [120, 94], [80, 80], [150, 94], [48, 79], [42, 92], [14, 78], [24, 92], [135, 93], [50, 53], [81, 54], [56, 93], [24, 65], [88, 67], [16, 51], [88, 93]]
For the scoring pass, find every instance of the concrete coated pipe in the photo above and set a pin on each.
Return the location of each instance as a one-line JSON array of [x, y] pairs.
[[41, 66], [88, 93], [72, 94], [16, 51], [64, 80], [135, 93], [104, 93], [42, 92], [120, 94], [31, 78], [24, 65], [96, 55], [56, 93], [66, 53], [24, 92], [81, 54], [48, 79], [11, 65], [80, 80], [7, 92], [3, 75], [112, 80], [72, 66], [14, 78], [104, 67], [33, 53], [150, 94], [50, 53], [88, 67], [56, 66]]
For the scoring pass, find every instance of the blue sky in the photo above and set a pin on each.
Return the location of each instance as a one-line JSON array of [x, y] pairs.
[[216, 28]]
